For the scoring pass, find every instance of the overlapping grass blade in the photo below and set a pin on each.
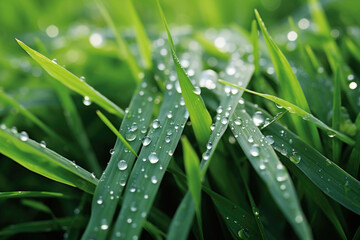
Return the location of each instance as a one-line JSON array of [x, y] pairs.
[[225, 110], [266, 163], [43, 226], [353, 165], [325, 174], [71, 81], [107, 122], [299, 112], [290, 88], [153, 160], [43, 161], [124, 50], [141, 36], [199, 115], [336, 114], [7, 99], [113, 180], [192, 169], [33, 194]]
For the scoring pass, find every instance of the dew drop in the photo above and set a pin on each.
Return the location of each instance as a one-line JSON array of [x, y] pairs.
[[156, 124], [153, 158], [243, 233], [212, 127], [146, 141], [99, 201], [54, 61], [295, 157], [224, 120], [86, 101], [250, 139], [104, 225], [209, 146], [43, 144], [154, 179], [254, 150], [130, 135], [197, 90], [270, 139], [258, 118], [122, 165], [24, 136], [238, 121], [112, 151]]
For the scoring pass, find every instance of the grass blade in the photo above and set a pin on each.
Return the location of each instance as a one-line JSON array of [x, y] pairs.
[[199, 116], [71, 81], [290, 88], [5, 98], [33, 194], [43, 161], [336, 114], [107, 122], [299, 112], [114, 178], [124, 50], [325, 174], [265, 162]]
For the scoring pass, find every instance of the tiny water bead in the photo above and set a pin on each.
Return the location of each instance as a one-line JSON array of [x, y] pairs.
[[99, 201], [154, 179], [197, 90], [238, 121], [153, 158], [43, 144], [146, 141], [54, 61], [86, 101], [254, 150], [156, 124], [104, 225], [122, 165], [24, 136], [270, 139], [295, 157], [224, 120]]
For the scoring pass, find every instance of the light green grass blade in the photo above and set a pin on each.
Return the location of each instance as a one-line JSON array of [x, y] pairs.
[[299, 112], [239, 222], [266, 163], [43, 226], [107, 122], [7, 99], [325, 174], [154, 158], [114, 178], [124, 50], [192, 169], [336, 114], [210, 48], [33, 194], [72, 82], [199, 115], [290, 88], [43, 161], [255, 45], [353, 48], [141, 36], [225, 110]]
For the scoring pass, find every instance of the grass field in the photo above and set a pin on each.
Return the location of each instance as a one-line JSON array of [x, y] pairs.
[[176, 120]]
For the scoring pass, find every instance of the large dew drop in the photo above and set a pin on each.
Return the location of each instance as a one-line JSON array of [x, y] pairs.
[[146, 141], [295, 157], [156, 124], [130, 135], [24, 136], [254, 150], [122, 165], [258, 118], [86, 101], [153, 158]]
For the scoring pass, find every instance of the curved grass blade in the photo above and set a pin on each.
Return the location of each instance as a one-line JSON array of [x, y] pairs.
[[141, 36], [290, 88], [154, 158], [113, 180], [71, 81], [7, 99], [226, 109], [37, 205], [107, 122], [266, 163], [325, 174], [43, 161], [124, 50], [33, 194], [336, 113], [43, 226], [299, 112], [199, 115]]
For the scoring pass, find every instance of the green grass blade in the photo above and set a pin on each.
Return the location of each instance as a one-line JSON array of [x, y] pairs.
[[299, 112], [33, 194], [336, 114], [71, 81], [199, 115], [266, 163], [141, 36], [37, 205], [290, 88], [192, 169], [353, 48], [7, 99], [124, 50], [255, 45], [182, 220], [114, 178], [325, 174], [353, 166], [43, 226], [240, 223], [107, 122], [43, 161], [154, 158]]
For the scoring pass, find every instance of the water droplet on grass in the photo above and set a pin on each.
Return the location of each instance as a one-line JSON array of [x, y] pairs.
[[130, 135], [146, 141], [154, 179], [156, 124], [254, 150], [244, 233], [43, 144], [153, 158], [86, 101], [295, 157], [258, 118], [122, 165], [238, 121], [24, 136]]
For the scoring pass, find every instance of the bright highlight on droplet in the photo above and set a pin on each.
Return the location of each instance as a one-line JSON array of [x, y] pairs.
[[292, 36], [353, 85], [52, 31], [304, 23], [96, 40]]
